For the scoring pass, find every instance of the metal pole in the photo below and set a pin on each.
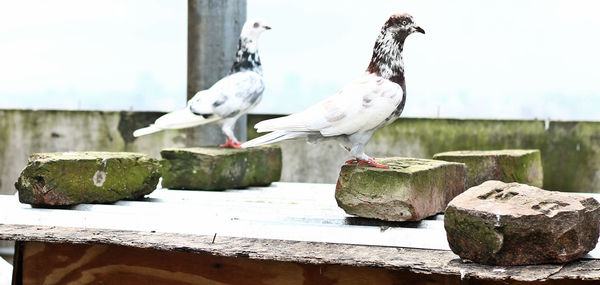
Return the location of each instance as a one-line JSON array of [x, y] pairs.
[[213, 31]]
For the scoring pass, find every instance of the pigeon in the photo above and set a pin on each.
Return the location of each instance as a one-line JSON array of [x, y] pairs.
[[368, 103], [229, 98]]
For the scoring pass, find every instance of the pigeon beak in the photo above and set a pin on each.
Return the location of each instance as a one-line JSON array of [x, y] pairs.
[[419, 29], [267, 27]]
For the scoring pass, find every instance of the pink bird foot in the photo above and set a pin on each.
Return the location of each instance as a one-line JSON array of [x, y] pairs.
[[371, 162], [232, 144]]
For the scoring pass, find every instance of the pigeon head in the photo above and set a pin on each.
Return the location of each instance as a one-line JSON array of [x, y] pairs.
[[387, 52], [247, 57], [253, 28], [402, 25]]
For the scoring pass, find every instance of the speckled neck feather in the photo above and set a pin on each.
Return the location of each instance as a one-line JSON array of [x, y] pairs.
[[387, 55], [247, 58]]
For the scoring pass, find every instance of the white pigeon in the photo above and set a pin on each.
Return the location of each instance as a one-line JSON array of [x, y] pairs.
[[368, 103], [229, 98]]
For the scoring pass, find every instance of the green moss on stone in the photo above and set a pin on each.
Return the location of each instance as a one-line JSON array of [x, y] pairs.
[[499, 223], [62, 179], [214, 168], [411, 189], [464, 229], [523, 166]]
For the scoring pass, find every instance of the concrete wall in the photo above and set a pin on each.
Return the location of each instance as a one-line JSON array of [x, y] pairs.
[[570, 150]]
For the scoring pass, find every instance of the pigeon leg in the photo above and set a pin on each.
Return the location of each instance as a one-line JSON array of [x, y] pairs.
[[227, 129], [371, 162], [350, 161], [232, 144]]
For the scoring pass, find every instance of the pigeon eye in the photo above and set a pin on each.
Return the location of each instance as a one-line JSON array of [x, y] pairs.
[[256, 25], [404, 23]]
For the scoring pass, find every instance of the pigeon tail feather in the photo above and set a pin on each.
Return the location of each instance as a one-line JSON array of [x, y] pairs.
[[274, 137], [292, 122], [179, 119], [146, 131]]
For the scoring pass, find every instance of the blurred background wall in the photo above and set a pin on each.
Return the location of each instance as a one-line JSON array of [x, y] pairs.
[[570, 149]]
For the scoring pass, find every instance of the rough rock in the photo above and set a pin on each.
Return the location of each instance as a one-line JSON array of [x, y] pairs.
[[499, 223], [410, 190], [510, 165], [70, 178], [215, 168]]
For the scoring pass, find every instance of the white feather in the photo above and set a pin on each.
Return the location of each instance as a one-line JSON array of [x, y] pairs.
[[237, 94], [179, 119], [233, 95], [350, 116], [274, 137], [146, 131], [361, 106]]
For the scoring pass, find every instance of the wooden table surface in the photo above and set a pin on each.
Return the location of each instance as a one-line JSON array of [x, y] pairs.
[[291, 222]]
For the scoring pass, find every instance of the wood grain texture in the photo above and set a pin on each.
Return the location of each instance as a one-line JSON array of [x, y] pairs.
[[48, 263], [436, 262]]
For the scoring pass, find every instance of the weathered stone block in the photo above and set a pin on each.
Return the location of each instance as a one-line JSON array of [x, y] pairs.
[[510, 165], [410, 190], [499, 223], [70, 178], [215, 168]]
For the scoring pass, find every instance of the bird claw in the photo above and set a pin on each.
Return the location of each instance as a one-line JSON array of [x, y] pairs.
[[232, 144], [371, 162]]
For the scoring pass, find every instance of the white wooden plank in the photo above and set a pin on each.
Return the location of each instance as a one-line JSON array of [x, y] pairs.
[[286, 211]]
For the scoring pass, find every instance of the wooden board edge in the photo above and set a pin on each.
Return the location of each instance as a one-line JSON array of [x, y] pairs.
[[415, 260]]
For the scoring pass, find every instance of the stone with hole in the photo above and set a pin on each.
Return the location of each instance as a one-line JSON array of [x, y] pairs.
[[410, 190], [70, 178], [500, 223]]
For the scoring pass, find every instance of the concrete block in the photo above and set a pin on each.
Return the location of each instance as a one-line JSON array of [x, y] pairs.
[[410, 190], [70, 178], [509, 165], [215, 168], [499, 223]]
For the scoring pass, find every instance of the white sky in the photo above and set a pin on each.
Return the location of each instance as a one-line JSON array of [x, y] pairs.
[[479, 59]]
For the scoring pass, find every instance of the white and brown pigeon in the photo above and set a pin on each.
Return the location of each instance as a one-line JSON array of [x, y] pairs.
[[368, 103], [229, 98]]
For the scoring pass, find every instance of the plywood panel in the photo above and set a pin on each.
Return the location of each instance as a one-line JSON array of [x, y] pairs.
[[48, 263]]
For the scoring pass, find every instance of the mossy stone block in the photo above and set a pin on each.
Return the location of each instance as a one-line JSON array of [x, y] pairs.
[[215, 168], [70, 178], [499, 223], [410, 190], [509, 165]]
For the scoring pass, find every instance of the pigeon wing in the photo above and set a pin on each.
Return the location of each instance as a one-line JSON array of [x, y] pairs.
[[231, 96], [362, 105]]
